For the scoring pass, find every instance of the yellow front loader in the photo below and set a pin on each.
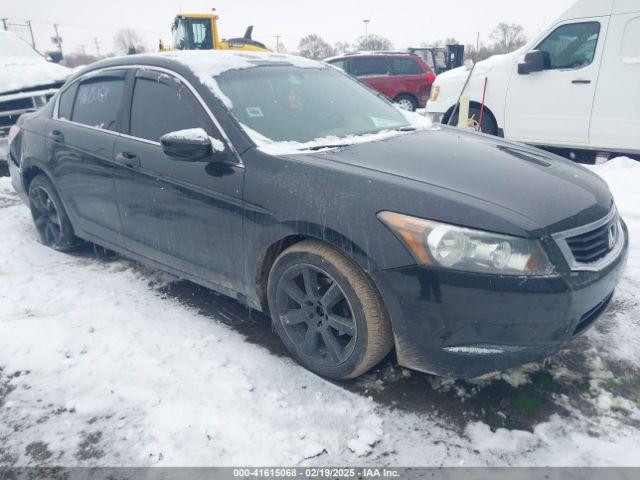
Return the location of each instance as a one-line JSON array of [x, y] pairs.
[[199, 31]]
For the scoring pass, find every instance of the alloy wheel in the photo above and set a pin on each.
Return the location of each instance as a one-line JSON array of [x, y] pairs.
[[45, 216], [316, 315], [406, 104]]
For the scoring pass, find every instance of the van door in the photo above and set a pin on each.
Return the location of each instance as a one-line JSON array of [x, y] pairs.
[[615, 123], [554, 106]]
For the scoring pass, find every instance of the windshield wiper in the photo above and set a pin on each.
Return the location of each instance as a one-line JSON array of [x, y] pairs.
[[320, 147]]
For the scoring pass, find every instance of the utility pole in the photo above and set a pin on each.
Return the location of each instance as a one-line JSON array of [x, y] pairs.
[[366, 33], [4, 24], [33, 40], [97, 44], [58, 40], [84, 52], [278, 37]]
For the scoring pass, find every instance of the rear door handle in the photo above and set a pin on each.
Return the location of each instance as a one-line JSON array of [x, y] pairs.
[[56, 136], [128, 159], [581, 81]]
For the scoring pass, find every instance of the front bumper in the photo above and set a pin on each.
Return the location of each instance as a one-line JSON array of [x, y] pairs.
[[464, 325]]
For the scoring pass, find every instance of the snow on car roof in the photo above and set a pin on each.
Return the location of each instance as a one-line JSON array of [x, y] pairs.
[[216, 62]]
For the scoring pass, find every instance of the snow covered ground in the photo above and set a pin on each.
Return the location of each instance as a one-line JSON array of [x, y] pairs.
[[104, 362]]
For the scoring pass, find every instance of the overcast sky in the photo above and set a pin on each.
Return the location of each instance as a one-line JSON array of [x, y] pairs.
[[404, 22]]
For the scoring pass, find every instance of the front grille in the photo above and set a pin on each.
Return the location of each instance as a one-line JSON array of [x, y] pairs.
[[16, 104], [591, 246]]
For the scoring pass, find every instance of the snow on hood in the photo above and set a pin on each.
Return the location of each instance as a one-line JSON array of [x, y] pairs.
[[266, 145], [22, 67], [16, 74]]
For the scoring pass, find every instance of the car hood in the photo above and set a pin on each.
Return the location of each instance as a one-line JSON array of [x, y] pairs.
[[547, 192], [17, 73]]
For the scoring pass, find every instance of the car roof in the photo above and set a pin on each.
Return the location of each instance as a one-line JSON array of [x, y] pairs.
[[371, 54], [204, 63]]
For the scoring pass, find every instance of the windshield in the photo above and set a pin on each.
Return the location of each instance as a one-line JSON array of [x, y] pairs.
[[285, 103], [12, 46]]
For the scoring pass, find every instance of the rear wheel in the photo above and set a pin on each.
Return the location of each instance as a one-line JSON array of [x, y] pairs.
[[49, 216], [327, 311], [407, 102]]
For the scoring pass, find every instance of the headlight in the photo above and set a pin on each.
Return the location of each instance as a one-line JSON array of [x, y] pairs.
[[435, 94], [447, 246]]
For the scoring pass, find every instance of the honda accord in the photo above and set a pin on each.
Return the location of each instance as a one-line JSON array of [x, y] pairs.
[[358, 227]]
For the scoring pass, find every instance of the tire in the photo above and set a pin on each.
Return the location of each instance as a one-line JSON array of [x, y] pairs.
[[489, 125], [407, 101], [49, 216], [327, 311]]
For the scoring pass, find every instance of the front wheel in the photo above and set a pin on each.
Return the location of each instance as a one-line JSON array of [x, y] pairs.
[[327, 311], [407, 102], [489, 125], [49, 216]]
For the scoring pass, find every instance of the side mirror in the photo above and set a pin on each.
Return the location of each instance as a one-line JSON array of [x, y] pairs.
[[192, 145], [535, 61], [55, 56]]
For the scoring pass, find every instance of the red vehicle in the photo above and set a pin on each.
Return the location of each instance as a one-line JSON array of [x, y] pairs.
[[404, 78]]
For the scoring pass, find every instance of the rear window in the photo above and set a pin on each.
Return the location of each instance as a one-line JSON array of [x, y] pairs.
[[369, 66], [98, 102], [405, 66]]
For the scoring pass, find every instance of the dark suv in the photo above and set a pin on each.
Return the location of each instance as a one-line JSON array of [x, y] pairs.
[[286, 184], [401, 77]]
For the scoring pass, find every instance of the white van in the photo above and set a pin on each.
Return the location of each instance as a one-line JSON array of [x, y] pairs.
[[575, 86]]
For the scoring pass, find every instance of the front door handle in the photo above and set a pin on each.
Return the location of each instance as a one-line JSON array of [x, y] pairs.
[[581, 81], [128, 159], [56, 136]]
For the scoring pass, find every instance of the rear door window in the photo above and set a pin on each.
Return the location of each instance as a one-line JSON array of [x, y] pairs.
[[572, 46], [98, 102], [65, 104], [369, 66], [162, 104], [405, 66]]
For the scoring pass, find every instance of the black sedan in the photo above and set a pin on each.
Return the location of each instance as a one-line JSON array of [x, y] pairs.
[[300, 192]]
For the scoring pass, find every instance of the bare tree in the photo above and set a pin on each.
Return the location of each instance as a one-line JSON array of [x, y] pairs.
[[442, 43], [342, 47], [375, 43], [313, 46], [127, 42], [508, 37]]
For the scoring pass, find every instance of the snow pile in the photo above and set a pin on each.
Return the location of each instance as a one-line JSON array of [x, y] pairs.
[[99, 368], [22, 67], [267, 145]]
